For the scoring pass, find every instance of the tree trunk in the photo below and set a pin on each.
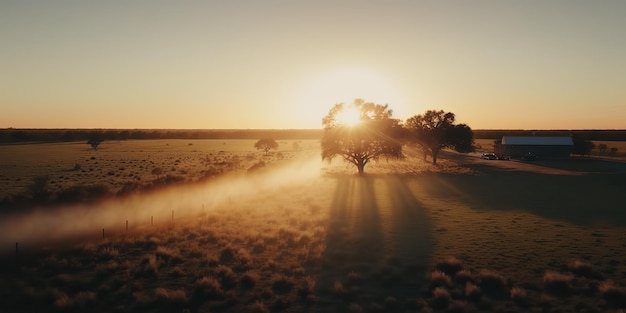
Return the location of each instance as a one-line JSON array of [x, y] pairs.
[[435, 153], [361, 166]]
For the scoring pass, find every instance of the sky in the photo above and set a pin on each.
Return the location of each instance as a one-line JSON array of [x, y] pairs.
[[248, 64]]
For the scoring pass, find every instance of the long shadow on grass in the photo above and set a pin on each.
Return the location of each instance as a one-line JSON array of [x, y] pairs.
[[378, 244], [582, 199]]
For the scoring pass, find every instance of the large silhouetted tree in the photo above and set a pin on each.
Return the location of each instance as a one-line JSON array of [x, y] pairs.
[[370, 133], [435, 130], [266, 144]]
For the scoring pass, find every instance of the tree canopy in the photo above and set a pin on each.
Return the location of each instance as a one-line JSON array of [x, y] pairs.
[[266, 144], [360, 132], [435, 130]]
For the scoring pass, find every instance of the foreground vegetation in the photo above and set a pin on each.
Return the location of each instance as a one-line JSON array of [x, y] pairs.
[[462, 236]]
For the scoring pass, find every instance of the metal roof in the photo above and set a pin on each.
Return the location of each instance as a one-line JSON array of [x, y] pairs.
[[537, 141]]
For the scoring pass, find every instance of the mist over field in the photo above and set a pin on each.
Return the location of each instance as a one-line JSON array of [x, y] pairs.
[[49, 226]]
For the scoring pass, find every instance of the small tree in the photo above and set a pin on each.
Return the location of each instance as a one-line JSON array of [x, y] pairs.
[[602, 148], [360, 133], [613, 151], [94, 143], [157, 171], [435, 130], [266, 144]]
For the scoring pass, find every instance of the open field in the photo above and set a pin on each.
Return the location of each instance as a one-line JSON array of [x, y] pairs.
[[121, 166], [468, 235]]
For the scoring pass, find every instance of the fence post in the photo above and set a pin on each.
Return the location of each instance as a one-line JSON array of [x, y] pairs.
[[16, 249], [103, 233], [152, 220], [126, 225]]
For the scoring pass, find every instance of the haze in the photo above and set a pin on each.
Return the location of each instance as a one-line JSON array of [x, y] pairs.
[[283, 64]]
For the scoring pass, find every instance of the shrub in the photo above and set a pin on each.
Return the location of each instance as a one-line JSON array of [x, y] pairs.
[[227, 254], [472, 292], [581, 268], [463, 276], [257, 307], [172, 296], [519, 295], [169, 254], [307, 287], [282, 283], [612, 294], [249, 280], [492, 283], [450, 266], [227, 277], [556, 282], [441, 298], [353, 278], [439, 279], [338, 289], [209, 287]]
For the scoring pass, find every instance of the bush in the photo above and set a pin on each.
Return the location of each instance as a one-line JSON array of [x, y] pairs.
[[441, 298], [612, 294], [227, 277], [450, 266], [472, 292], [249, 280], [171, 296], [557, 283], [580, 268], [439, 279], [282, 283], [209, 287]]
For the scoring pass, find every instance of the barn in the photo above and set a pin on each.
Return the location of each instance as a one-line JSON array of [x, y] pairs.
[[540, 146]]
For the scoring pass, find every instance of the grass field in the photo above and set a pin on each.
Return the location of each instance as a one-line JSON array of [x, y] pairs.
[[307, 236]]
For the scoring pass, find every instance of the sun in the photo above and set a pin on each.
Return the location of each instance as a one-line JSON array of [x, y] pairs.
[[349, 116], [320, 91]]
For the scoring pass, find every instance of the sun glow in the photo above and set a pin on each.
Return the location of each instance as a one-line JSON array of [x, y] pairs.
[[349, 116], [320, 91]]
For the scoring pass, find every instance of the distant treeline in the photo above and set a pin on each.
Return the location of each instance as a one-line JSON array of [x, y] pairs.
[[11, 135], [598, 135]]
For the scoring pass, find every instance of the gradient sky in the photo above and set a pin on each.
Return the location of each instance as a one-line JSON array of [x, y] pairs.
[[532, 64]]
